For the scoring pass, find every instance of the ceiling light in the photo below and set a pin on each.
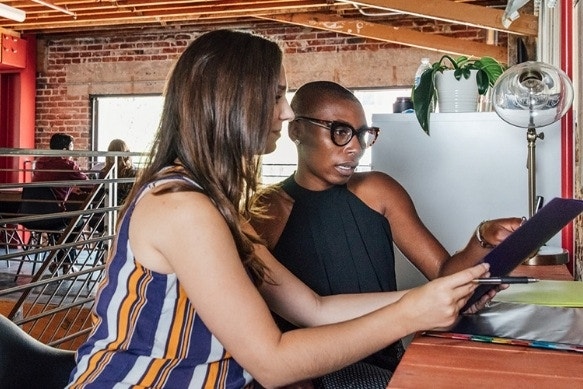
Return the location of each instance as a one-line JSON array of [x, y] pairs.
[[12, 13]]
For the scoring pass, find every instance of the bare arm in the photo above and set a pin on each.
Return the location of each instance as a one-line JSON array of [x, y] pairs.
[[197, 245], [307, 308], [387, 196]]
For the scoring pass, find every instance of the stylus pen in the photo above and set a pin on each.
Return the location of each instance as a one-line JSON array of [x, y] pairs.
[[505, 280]]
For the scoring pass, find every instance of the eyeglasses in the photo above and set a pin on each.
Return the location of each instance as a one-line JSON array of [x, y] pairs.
[[342, 133]]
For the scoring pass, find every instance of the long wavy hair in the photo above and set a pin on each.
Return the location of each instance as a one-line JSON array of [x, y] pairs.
[[218, 109], [125, 166]]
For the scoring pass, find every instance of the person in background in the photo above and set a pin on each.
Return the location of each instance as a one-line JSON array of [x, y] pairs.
[[334, 228], [59, 168], [125, 168], [62, 168], [187, 291]]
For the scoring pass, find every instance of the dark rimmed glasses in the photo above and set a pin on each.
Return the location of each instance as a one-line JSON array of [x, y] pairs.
[[342, 133]]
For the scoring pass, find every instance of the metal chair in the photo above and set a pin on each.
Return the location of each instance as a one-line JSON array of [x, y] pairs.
[[10, 234], [26, 363]]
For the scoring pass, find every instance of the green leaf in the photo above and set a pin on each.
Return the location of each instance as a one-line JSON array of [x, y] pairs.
[[422, 98], [458, 73], [492, 69], [461, 61], [482, 81], [441, 66]]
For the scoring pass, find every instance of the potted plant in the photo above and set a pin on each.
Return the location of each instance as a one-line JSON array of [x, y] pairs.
[[486, 71]]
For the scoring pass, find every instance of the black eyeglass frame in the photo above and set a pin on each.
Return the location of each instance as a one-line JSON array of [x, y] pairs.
[[333, 125]]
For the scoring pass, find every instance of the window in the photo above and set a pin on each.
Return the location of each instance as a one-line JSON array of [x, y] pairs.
[[135, 120]]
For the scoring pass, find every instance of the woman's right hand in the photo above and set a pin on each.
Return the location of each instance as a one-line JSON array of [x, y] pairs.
[[437, 304]]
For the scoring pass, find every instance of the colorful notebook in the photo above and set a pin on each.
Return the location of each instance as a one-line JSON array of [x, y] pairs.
[[531, 325], [511, 342]]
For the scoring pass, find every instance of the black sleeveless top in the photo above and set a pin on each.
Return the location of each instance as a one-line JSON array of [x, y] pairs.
[[336, 244]]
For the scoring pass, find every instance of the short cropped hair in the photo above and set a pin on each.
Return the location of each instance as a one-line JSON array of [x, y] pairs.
[[312, 95], [61, 141]]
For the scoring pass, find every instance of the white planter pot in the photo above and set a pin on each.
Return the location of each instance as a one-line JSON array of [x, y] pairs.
[[456, 95]]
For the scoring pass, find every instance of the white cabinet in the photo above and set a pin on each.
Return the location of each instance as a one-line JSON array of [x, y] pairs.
[[472, 167]]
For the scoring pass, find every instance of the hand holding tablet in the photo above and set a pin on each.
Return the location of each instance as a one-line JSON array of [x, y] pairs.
[[527, 239]]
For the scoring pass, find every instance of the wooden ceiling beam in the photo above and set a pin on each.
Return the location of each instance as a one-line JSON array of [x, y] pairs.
[[319, 14], [403, 36], [458, 13], [90, 15]]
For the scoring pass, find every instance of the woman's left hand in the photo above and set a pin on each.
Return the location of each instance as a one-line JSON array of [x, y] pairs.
[[484, 301], [496, 230]]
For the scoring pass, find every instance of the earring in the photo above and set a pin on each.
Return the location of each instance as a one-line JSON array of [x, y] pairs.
[[297, 142]]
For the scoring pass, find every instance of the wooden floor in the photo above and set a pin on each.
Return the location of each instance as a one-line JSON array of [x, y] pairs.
[[50, 322]]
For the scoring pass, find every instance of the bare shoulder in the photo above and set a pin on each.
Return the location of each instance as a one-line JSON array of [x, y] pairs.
[[371, 178], [378, 190], [374, 183], [274, 195], [163, 222], [276, 206], [178, 206]]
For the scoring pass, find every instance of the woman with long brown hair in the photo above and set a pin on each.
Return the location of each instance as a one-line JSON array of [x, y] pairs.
[[124, 167]]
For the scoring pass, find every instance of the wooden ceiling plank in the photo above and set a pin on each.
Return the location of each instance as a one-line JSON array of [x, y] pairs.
[[390, 34], [178, 7], [458, 13], [94, 14], [97, 6], [132, 13]]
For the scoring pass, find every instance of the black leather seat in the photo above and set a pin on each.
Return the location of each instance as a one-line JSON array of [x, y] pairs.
[[40, 200], [26, 363]]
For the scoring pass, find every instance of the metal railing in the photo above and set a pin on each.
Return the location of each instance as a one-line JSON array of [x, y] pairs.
[[49, 274]]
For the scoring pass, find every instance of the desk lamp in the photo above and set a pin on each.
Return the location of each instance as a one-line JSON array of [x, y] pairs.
[[531, 95]]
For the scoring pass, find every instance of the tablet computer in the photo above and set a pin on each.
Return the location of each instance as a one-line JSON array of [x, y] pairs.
[[527, 239]]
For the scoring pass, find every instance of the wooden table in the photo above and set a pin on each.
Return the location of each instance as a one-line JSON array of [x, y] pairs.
[[432, 362], [9, 201]]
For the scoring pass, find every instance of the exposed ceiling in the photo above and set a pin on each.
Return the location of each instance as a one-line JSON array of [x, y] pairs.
[[375, 19]]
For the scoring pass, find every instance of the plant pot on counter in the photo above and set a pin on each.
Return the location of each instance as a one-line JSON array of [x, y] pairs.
[[456, 95]]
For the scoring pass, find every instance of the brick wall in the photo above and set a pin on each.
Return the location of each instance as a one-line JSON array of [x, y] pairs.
[[71, 68]]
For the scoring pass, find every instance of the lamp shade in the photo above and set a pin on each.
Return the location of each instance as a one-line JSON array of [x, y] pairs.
[[532, 94]]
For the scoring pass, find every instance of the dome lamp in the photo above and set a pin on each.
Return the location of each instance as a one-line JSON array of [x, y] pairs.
[[533, 95]]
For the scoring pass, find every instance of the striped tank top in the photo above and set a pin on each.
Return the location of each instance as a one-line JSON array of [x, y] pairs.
[[146, 333]]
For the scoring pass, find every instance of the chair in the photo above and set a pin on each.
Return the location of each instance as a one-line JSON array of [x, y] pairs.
[[9, 233], [9, 238], [26, 363], [40, 200]]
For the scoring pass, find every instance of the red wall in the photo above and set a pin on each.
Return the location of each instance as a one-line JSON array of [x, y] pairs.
[[17, 110]]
